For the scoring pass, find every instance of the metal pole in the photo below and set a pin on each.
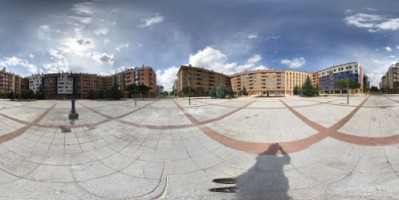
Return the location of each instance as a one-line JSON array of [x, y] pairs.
[[347, 88], [135, 99], [189, 92]]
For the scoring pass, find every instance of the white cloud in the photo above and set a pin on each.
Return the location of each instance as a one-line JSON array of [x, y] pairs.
[[118, 48], [253, 36], [388, 49], [152, 20], [83, 8], [43, 32], [102, 58], [15, 61], [166, 77], [211, 58], [83, 20], [101, 31], [76, 45], [31, 56], [294, 63], [372, 22], [106, 41], [59, 62], [261, 67], [397, 47], [392, 56]]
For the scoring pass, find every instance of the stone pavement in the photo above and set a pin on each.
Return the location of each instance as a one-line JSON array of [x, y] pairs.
[[267, 148]]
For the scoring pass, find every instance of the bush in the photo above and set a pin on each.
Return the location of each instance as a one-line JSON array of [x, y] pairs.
[[213, 91], [221, 91]]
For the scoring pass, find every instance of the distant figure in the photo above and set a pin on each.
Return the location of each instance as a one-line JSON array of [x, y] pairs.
[[265, 180]]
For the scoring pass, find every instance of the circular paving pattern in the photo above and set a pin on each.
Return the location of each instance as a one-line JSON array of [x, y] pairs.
[[279, 147]]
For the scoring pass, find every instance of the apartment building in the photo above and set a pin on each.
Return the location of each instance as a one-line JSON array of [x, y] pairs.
[[391, 77], [271, 81], [11, 82], [35, 81], [315, 79], [82, 83], [350, 71], [139, 76], [199, 77]]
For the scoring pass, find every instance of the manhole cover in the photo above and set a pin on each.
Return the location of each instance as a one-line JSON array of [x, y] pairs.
[[231, 189], [65, 129]]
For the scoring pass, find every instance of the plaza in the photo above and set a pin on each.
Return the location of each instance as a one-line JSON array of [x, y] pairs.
[[265, 148]]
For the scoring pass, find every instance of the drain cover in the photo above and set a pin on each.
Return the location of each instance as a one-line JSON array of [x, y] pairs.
[[65, 129], [232, 189]]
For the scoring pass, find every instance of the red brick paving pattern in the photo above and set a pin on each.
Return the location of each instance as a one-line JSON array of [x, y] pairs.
[[250, 147], [18, 132]]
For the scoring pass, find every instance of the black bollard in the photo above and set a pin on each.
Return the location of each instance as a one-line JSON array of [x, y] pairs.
[[73, 114]]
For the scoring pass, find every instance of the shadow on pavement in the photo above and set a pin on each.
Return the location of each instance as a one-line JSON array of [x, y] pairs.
[[264, 180]]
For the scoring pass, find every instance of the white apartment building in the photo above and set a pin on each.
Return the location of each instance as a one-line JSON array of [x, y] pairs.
[[65, 84], [35, 81]]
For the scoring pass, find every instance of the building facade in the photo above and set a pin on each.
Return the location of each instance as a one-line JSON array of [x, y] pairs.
[[35, 81], [139, 76], [11, 82], [271, 81], [350, 71], [199, 77], [159, 90], [391, 78]]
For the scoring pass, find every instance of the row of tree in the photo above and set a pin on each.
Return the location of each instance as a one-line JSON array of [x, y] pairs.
[[307, 89]]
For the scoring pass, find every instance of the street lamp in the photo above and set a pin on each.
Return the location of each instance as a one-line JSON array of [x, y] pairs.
[[189, 91], [347, 87]]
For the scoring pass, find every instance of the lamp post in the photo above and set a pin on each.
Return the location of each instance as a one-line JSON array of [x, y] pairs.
[[347, 87]]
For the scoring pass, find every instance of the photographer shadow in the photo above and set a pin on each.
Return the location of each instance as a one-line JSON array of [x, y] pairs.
[[264, 180]]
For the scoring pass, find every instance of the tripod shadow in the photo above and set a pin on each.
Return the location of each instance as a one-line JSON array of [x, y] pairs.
[[264, 180]]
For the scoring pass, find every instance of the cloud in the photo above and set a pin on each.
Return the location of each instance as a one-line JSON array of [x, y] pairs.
[[31, 56], [102, 58], [83, 8], [388, 49], [43, 32], [106, 41], [118, 48], [15, 61], [294, 63], [83, 20], [253, 36], [76, 45], [372, 22], [101, 31], [261, 67], [211, 58], [152, 20], [59, 62], [397, 47], [166, 77]]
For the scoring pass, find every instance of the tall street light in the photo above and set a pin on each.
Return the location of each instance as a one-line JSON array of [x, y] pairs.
[[347, 87]]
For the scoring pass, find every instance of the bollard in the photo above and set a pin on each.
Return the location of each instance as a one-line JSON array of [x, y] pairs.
[[73, 114]]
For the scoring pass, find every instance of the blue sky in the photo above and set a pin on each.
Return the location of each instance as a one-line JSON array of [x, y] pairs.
[[228, 36]]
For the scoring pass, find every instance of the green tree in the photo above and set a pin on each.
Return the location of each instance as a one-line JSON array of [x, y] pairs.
[[341, 84], [1, 94], [115, 92], [188, 89], [386, 88], [143, 89], [396, 84], [132, 89], [213, 91], [31, 94], [92, 94], [12, 95], [353, 85], [230, 92], [244, 92], [297, 90], [39, 94], [374, 89], [308, 89], [165, 93], [221, 91], [199, 90]]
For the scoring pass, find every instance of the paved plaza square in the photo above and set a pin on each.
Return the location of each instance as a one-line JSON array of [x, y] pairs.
[[243, 148]]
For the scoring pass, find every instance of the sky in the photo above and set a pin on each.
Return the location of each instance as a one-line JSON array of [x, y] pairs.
[[228, 36]]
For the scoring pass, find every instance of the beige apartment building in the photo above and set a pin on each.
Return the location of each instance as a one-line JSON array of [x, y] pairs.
[[391, 77], [199, 77], [272, 81]]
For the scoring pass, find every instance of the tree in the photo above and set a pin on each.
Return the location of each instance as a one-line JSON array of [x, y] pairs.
[[221, 91], [230, 92], [386, 87], [31, 94], [143, 90], [115, 92], [39, 94], [341, 84], [1, 93], [12, 95], [92, 94], [244, 92], [213, 91], [165, 93], [297, 90], [199, 90], [396, 84], [353, 85], [374, 89], [132, 89], [188, 89], [308, 89]]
